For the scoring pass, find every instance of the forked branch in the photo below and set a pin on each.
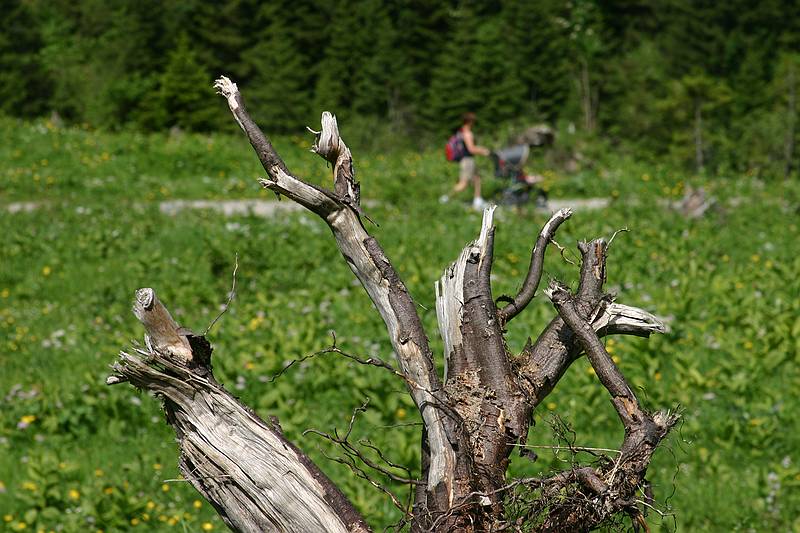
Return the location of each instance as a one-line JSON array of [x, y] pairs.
[[643, 432]]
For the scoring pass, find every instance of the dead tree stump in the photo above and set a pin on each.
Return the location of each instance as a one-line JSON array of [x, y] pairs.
[[474, 415]]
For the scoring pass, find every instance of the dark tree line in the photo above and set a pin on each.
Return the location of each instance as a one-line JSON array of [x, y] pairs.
[[714, 83]]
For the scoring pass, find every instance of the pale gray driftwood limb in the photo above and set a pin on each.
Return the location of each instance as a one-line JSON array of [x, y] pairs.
[[254, 477]]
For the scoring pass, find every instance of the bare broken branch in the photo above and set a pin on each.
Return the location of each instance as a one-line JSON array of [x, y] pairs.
[[643, 431], [330, 146], [236, 460], [162, 332], [531, 283], [606, 370]]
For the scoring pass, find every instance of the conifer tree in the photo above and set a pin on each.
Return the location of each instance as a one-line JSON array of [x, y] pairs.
[[280, 82], [374, 75], [587, 46], [185, 93], [24, 90], [217, 31], [692, 102], [422, 28], [497, 78], [341, 51], [536, 41], [453, 86]]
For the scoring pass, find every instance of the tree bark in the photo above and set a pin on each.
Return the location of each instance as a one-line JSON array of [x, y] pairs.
[[473, 417]]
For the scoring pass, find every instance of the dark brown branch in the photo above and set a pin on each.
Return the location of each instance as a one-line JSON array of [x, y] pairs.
[[633, 417], [542, 364], [620, 480], [261, 144], [313, 198], [604, 367], [531, 283], [350, 463], [593, 271]]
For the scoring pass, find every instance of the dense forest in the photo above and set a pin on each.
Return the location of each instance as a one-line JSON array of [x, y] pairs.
[[709, 84]]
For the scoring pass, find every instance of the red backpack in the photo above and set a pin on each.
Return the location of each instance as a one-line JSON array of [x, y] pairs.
[[455, 150]]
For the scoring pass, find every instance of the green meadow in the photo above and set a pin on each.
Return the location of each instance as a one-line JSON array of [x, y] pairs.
[[87, 231]]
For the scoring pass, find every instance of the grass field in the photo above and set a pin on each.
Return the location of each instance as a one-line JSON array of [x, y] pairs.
[[76, 455]]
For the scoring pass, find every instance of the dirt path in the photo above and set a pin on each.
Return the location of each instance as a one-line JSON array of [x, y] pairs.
[[268, 208]]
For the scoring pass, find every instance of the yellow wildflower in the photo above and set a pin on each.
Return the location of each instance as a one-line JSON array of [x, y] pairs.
[[46, 270], [29, 485], [134, 521], [165, 487], [28, 419], [552, 406], [8, 518], [156, 466], [98, 473], [74, 494], [207, 526], [150, 505], [197, 504]]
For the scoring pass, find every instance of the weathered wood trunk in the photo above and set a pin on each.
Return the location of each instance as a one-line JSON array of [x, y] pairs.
[[473, 416]]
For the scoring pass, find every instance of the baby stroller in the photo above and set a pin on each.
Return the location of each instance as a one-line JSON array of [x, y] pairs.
[[509, 164]]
